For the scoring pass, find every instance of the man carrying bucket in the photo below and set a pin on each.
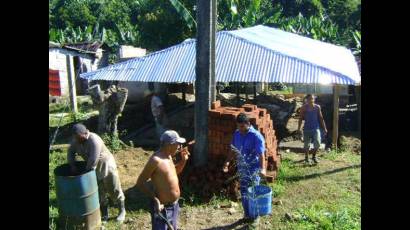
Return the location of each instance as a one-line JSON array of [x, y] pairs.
[[248, 145], [93, 150]]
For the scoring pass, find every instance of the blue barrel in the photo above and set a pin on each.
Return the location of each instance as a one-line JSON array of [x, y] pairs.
[[259, 201], [77, 195]]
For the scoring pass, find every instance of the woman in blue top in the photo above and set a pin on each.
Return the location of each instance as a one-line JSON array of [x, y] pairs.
[[312, 115], [248, 145]]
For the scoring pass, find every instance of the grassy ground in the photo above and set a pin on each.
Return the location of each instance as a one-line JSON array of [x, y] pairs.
[[326, 196]]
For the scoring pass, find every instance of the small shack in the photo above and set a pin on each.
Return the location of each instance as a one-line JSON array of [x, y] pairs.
[[86, 57]]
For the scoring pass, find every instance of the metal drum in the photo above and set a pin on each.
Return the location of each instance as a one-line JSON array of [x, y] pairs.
[[77, 197]]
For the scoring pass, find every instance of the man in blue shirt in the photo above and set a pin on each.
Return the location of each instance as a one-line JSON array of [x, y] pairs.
[[312, 115], [248, 145]]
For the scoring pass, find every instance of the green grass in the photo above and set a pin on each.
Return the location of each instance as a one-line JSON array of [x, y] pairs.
[[326, 196], [56, 158]]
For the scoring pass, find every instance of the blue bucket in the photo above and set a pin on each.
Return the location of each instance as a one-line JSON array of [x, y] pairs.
[[259, 201]]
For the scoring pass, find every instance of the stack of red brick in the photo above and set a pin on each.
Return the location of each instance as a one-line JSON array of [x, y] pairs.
[[222, 125], [210, 179]]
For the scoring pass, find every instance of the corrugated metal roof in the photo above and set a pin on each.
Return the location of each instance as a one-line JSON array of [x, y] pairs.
[[53, 44], [86, 47], [255, 54]]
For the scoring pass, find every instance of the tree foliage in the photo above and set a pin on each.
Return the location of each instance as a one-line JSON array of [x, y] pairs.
[[157, 24]]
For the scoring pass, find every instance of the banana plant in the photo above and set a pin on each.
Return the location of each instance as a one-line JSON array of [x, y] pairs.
[[184, 13], [358, 42]]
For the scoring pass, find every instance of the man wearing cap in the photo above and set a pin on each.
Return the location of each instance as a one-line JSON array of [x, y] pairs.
[[311, 113], [93, 150], [163, 173], [248, 145]]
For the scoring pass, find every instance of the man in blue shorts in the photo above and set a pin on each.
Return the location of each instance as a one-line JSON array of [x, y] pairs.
[[312, 115]]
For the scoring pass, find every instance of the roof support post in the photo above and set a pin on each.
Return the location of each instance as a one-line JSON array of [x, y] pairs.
[[336, 90]]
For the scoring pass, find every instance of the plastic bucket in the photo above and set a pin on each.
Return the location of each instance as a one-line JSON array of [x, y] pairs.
[[259, 201]]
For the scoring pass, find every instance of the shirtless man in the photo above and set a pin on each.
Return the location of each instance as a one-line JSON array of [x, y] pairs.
[[162, 171]]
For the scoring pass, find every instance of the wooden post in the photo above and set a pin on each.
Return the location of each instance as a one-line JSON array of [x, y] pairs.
[[184, 85], [246, 92], [336, 89], [254, 92], [359, 108], [237, 93], [71, 83]]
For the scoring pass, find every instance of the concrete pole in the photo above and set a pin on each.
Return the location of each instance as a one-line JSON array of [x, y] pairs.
[[254, 93], [202, 82], [71, 83], [212, 51], [336, 89]]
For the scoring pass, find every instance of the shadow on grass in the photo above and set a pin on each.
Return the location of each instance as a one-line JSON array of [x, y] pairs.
[[314, 175], [135, 200], [231, 226]]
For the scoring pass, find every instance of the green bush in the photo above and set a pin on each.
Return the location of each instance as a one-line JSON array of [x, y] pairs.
[[112, 142]]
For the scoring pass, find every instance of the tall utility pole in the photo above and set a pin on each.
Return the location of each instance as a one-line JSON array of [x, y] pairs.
[[213, 50], [205, 77]]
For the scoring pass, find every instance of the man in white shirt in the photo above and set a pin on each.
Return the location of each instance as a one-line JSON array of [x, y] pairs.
[[158, 111]]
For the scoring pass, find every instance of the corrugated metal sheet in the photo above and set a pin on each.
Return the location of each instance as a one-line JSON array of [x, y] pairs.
[[255, 54]]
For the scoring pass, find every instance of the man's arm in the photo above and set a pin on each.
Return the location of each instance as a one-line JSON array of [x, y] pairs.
[[71, 158], [301, 117], [71, 155], [260, 150], [93, 155], [181, 164], [146, 174], [230, 155], [322, 121]]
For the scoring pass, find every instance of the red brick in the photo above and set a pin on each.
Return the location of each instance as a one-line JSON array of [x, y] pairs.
[[235, 109], [214, 114], [248, 107], [263, 112], [229, 115], [216, 104]]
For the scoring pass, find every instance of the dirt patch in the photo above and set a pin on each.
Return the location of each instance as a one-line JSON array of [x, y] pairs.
[[130, 163]]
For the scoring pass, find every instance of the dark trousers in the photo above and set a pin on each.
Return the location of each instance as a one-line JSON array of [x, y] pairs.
[[170, 212]]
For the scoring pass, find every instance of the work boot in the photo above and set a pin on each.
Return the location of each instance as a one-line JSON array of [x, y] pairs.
[[104, 213], [315, 160], [307, 160], [121, 215]]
